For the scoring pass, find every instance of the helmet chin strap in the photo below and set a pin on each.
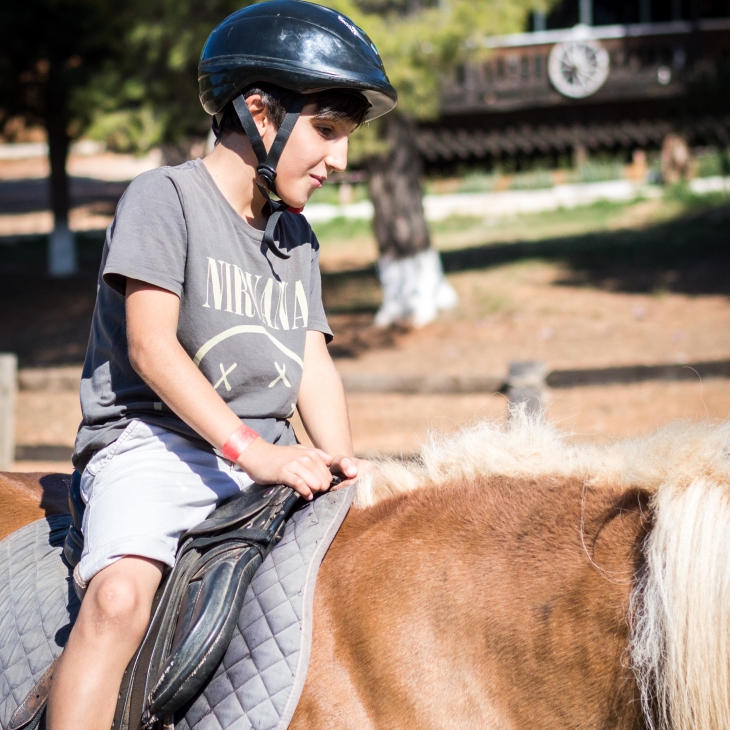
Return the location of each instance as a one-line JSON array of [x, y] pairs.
[[266, 169]]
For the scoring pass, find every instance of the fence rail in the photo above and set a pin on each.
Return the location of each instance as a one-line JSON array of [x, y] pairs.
[[526, 382], [66, 379]]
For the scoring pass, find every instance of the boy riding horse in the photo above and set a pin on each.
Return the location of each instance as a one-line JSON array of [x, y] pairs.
[[209, 329]]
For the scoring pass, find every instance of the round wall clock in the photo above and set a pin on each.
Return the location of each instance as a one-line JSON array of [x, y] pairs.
[[578, 68]]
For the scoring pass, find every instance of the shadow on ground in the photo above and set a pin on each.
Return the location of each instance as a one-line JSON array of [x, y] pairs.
[[33, 194], [689, 255], [47, 321]]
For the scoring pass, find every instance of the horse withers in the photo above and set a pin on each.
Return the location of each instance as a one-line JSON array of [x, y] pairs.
[[511, 579], [29, 496]]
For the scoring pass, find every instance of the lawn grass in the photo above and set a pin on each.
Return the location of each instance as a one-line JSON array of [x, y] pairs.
[[346, 237], [677, 243], [622, 232]]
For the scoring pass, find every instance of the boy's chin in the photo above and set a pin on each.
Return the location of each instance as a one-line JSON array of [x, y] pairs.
[[296, 199]]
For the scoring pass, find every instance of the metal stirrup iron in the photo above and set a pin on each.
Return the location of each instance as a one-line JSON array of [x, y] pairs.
[[268, 161]]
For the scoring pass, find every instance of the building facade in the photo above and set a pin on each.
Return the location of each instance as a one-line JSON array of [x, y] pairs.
[[623, 77]]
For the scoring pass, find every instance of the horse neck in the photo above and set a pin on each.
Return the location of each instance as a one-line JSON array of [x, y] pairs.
[[507, 599]]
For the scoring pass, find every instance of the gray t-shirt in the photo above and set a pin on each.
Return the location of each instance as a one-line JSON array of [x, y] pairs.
[[244, 312]]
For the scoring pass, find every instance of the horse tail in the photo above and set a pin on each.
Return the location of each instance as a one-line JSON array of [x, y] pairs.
[[680, 646]]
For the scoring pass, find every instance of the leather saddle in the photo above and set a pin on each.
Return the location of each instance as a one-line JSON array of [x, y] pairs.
[[194, 613]]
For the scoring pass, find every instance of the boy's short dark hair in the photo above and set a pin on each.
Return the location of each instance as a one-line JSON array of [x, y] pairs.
[[332, 105]]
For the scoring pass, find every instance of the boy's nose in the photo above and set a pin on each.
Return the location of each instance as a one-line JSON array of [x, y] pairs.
[[337, 157]]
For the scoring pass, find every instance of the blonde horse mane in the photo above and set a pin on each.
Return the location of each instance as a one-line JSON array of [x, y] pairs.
[[680, 611], [528, 447]]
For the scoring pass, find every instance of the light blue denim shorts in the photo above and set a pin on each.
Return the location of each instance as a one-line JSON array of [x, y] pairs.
[[143, 491]]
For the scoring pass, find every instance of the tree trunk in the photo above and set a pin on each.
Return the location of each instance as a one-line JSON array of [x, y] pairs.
[[62, 259], [396, 192], [676, 159], [414, 287]]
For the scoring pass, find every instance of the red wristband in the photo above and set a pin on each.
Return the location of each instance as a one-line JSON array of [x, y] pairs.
[[238, 442]]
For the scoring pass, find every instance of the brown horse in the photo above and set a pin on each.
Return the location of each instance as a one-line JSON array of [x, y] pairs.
[[25, 497], [512, 580]]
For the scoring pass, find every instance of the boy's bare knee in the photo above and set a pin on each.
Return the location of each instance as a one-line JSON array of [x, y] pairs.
[[119, 602], [115, 599], [116, 608]]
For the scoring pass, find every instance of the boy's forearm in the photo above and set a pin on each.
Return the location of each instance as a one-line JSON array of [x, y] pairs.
[[160, 360], [170, 372], [323, 411], [321, 404]]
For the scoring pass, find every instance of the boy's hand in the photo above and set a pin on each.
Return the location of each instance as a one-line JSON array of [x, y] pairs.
[[299, 467], [350, 468]]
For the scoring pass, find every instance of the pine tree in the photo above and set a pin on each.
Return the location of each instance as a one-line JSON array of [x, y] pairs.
[[421, 44], [49, 50]]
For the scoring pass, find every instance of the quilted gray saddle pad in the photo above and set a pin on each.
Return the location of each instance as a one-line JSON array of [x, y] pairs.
[[257, 685]]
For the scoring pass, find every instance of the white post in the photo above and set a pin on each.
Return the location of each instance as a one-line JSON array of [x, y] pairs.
[[526, 383], [62, 251], [539, 21], [586, 12], [8, 391]]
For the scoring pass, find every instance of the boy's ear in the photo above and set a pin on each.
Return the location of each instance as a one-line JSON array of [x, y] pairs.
[[259, 112]]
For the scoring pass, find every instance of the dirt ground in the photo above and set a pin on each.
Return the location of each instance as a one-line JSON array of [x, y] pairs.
[[524, 312], [606, 286], [398, 424]]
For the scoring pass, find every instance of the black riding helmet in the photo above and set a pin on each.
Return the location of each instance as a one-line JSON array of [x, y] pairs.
[[298, 46]]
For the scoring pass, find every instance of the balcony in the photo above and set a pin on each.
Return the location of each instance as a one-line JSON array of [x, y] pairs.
[[642, 61]]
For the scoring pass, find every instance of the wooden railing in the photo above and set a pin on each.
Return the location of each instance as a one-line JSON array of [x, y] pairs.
[[647, 61]]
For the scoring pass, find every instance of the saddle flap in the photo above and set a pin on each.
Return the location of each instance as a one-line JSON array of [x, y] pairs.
[[240, 508], [199, 608], [205, 599], [209, 618], [130, 704]]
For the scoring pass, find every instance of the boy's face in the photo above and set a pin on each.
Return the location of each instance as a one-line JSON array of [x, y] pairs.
[[316, 148]]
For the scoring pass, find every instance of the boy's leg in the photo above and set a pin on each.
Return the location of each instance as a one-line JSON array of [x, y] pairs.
[[111, 624], [142, 492]]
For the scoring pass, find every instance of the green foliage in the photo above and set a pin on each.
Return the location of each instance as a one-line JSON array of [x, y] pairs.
[[713, 161], [342, 229], [50, 49], [131, 68], [419, 48], [151, 97], [366, 142], [330, 194], [532, 176], [128, 130], [422, 47], [684, 195]]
